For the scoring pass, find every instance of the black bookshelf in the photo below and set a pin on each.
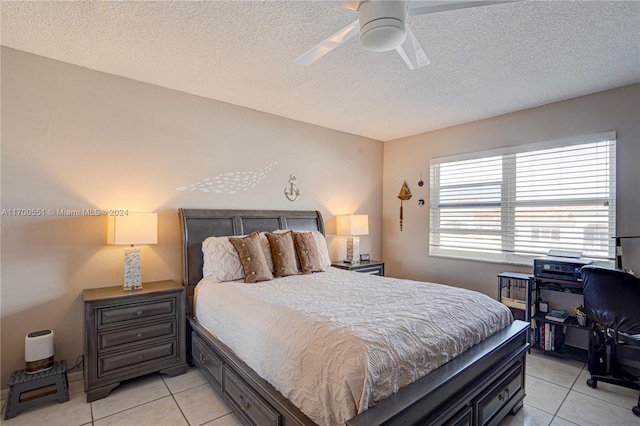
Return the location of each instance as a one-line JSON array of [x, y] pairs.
[[537, 318]]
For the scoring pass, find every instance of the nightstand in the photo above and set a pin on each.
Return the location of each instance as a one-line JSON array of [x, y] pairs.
[[371, 267], [132, 333]]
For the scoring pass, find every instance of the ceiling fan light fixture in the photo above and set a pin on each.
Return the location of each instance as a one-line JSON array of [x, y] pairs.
[[382, 24], [383, 34], [382, 27]]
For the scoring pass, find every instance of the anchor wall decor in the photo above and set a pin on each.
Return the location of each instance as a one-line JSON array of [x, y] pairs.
[[404, 195], [292, 193]]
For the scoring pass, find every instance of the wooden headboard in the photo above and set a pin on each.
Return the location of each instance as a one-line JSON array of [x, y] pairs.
[[199, 224]]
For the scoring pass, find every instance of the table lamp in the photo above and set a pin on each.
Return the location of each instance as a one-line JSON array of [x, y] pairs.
[[352, 225], [134, 228]]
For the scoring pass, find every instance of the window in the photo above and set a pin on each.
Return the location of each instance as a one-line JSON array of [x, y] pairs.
[[514, 204]]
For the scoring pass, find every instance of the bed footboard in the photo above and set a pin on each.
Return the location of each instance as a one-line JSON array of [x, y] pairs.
[[480, 387]]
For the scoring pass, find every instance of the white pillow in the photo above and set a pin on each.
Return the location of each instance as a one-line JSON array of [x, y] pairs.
[[223, 259], [321, 243], [206, 266], [220, 258]]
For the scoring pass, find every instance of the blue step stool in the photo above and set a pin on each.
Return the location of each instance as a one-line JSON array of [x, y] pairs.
[[21, 382]]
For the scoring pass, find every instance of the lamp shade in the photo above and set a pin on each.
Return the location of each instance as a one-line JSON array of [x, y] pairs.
[[135, 228], [352, 224]]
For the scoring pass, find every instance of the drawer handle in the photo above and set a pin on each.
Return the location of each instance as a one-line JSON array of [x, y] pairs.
[[246, 405], [139, 313], [203, 358], [140, 356], [139, 335], [504, 396]]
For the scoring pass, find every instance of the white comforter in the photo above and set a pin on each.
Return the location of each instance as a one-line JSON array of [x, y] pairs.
[[334, 343]]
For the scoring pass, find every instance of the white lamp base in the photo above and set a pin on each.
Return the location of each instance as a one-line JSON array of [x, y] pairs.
[[132, 278], [353, 250]]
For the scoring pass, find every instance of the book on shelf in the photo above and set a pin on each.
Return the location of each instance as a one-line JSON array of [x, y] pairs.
[[551, 337], [547, 337], [557, 315]]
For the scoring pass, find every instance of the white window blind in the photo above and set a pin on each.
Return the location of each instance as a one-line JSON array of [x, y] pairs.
[[514, 204]]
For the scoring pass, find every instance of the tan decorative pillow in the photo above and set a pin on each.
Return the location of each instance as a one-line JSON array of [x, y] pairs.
[[307, 252], [266, 249], [254, 263], [321, 242], [283, 251]]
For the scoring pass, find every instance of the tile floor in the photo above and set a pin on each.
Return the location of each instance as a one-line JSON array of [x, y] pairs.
[[557, 395]]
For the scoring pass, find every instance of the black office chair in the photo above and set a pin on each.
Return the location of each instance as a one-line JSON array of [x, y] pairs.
[[612, 304]]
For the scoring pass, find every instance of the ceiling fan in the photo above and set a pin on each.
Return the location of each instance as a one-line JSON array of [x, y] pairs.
[[382, 26]]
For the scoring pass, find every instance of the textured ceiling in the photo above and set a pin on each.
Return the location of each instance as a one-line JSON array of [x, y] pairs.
[[485, 61]]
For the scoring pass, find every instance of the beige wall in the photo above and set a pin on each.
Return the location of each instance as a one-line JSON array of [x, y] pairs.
[[78, 139], [406, 253]]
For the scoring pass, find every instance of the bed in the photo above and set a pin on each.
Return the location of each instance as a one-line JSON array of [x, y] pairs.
[[479, 386]]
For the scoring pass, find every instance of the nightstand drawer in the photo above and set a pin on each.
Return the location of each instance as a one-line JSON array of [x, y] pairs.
[[111, 364], [371, 270], [124, 313], [251, 405], [113, 339], [206, 360], [371, 267]]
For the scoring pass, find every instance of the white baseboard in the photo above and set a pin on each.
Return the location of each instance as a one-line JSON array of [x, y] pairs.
[[76, 375]]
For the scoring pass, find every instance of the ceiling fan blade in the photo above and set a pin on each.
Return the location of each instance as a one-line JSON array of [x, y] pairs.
[[425, 7], [329, 44], [349, 4], [412, 52]]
